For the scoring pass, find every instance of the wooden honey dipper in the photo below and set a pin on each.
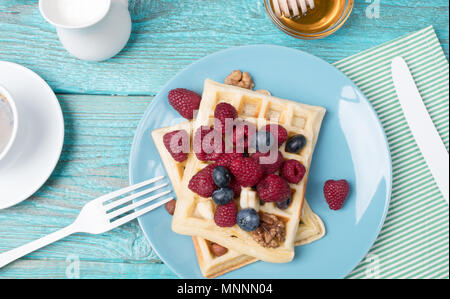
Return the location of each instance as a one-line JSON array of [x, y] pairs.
[[292, 8]]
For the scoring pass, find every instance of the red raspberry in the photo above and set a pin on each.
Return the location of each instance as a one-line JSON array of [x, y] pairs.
[[214, 152], [273, 188], [246, 171], [269, 168], [278, 132], [236, 187], [242, 134], [226, 159], [184, 101], [222, 112], [225, 215], [293, 171], [202, 182], [177, 144], [335, 193]]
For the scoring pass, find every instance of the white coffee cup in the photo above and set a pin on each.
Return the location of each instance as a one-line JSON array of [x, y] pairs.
[[9, 122]]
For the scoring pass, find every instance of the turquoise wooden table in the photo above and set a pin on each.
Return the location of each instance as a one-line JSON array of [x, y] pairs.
[[103, 103]]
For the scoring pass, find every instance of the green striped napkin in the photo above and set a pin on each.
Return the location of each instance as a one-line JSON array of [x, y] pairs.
[[414, 241]]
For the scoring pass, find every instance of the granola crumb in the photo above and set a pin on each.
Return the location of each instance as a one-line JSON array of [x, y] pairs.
[[271, 231]]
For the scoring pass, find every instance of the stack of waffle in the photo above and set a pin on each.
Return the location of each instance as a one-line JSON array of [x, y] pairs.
[[193, 214]]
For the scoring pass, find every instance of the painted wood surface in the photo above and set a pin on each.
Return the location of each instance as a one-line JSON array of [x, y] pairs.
[[167, 36], [94, 161]]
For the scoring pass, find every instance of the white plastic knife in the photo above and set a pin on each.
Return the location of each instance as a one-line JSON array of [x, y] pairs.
[[422, 127]]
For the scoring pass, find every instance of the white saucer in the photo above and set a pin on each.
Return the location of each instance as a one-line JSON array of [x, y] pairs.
[[38, 146]]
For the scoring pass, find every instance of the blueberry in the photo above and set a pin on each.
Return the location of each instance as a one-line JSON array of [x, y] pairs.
[[283, 205], [248, 219], [262, 141], [221, 176], [223, 196], [295, 143]]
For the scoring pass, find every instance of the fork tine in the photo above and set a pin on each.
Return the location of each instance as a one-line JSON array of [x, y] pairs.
[[139, 213], [123, 191], [136, 205], [121, 201]]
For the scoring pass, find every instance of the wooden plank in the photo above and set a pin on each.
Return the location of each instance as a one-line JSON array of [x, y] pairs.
[[31, 269], [99, 132], [168, 35]]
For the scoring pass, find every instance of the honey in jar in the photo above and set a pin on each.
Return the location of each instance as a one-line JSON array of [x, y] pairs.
[[323, 16]]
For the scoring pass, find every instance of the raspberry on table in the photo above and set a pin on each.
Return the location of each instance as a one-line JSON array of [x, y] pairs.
[[202, 182], [177, 144], [293, 171], [278, 131], [225, 215], [273, 188], [271, 167], [223, 112], [246, 171], [336, 193], [184, 101], [216, 148]]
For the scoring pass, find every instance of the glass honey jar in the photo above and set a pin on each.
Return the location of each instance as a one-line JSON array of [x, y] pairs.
[[324, 19]]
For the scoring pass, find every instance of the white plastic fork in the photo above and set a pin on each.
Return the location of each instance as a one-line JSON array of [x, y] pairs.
[[98, 216], [285, 7]]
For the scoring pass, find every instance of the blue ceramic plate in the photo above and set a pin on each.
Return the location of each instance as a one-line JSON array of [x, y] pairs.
[[352, 145]]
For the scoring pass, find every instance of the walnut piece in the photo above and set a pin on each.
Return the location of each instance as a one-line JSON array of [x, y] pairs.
[[271, 231], [240, 79], [170, 206]]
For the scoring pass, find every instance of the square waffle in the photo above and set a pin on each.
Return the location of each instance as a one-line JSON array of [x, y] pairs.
[[260, 109], [311, 227]]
